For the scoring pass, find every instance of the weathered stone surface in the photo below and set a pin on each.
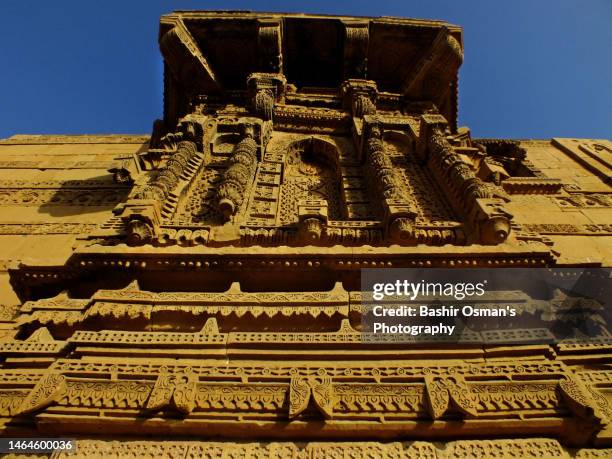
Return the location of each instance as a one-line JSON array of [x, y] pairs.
[[207, 279]]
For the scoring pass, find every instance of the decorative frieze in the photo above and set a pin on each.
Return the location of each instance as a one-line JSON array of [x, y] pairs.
[[47, 228], [532, 448]]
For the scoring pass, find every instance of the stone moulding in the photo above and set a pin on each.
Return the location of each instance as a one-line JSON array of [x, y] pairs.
[[26, 139], [336, 395], [203, 259], [532, 448]]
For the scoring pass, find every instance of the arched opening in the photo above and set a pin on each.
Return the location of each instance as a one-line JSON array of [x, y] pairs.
[[311, 173]]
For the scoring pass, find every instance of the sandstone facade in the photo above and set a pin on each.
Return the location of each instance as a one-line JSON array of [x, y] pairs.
[[202, 284]]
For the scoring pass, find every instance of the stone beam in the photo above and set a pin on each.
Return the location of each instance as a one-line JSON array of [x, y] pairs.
[[185, 60], [434, 72]]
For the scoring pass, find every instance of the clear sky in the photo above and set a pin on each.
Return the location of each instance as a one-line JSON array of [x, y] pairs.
[[532, 68]]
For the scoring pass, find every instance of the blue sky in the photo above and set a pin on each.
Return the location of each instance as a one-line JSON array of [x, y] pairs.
[[532, 68]]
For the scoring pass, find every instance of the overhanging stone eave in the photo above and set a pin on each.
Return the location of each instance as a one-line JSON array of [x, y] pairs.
[[225, 14], [333, 251]]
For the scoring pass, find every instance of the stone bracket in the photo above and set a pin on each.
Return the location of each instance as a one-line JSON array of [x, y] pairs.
[[436, 69], [441, 391], [185, 59], [269, 44], [317, 388], [579, 401], [312, 219], [265, 89], [142, 218], [46, 391], [359, 97], [356, 40]]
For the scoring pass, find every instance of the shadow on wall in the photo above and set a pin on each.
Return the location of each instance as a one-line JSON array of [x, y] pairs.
[[76, 197]]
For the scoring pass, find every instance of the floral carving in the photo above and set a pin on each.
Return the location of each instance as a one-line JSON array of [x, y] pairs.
[[319, 389]]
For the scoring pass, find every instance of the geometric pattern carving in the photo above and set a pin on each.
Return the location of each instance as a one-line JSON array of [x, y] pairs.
[[532, 448]]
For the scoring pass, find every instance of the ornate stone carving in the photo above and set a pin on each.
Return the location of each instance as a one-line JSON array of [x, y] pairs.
[[180, 389], [319, 389], [468, 193], [139, 232], [579, 400], [48, 389], [442, 390], [360, 96], [241, 231], [238, 177], [266, 89]]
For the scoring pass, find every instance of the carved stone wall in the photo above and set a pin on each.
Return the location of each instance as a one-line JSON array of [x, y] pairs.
[[204, 281]]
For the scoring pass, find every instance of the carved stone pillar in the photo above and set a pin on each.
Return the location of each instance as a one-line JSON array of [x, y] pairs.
[[468, 194], [169, 176], [142, 214], [239, 175], [380, 165], [399, 209]]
